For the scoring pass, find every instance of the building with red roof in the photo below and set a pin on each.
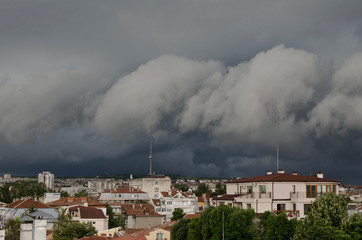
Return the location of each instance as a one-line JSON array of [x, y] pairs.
[[90, 214], [166, 202], [292, 193], [148, 234]]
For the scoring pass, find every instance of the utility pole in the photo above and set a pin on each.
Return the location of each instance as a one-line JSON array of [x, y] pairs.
[[223, 231]]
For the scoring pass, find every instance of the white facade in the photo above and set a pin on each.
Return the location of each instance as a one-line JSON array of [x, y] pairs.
[[151, 185], [280, 193], [170, 200], [47, 178], [124, 196]]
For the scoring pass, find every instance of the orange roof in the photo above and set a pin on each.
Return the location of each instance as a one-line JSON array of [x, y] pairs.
[[139, 235], [191, 216], [93, 238], [142, 212], [283, 177], [27, 203], [69, 201]]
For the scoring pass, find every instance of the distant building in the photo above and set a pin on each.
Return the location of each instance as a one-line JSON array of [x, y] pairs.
[[168, 201], [152, 185], [124, 195], [47, 178], [7, 176], [276, 192]]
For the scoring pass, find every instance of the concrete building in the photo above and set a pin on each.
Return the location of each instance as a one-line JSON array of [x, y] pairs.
[[152, 185], [166, 202], [142, 218], [124, 195], [291, 193], [148, 234], [47, 178]]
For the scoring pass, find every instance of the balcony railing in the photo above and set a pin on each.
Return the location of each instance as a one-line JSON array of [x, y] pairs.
[[256, 195], [289, 213], [294, 195]]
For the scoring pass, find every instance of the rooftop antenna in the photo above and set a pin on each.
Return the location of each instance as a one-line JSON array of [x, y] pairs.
[[277, 158], [150, 157]]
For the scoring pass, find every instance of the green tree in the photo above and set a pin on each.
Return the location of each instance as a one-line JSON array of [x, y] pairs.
[[220, 189], [26, 188], [219, 215], [13, 229], [180, 230], [113, 220], [240, 225], [194, 232], [82, 193], [73, 229], [328, 214], [177, 214], [182, 187], [32, 209], [205, 223], [353, 226], [202, 188], [262, 224], [64, 194], [280, 227]]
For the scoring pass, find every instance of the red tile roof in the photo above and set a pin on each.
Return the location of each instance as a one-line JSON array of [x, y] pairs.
[[93, 238], [88, 212], [27, 203], [191, 216], [283, 177], [142, 212], [139, 235], [226, 197], [69, 201], [156, 202]]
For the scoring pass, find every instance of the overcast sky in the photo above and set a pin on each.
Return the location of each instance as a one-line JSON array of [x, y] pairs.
[[215, 85]]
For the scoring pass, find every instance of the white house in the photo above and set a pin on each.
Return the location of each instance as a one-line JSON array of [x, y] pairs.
[[292, 193], [166, 202], [152, 185], [89, 214]]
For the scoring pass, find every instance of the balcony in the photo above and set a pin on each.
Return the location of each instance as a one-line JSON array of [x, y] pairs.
[[289, 213], [294, 195], [256, 195]]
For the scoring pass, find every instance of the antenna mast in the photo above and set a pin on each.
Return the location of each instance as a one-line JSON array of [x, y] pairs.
[[150, 157], [277, 158]]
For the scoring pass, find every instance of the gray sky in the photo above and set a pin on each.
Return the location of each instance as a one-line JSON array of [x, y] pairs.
[[216, 85]]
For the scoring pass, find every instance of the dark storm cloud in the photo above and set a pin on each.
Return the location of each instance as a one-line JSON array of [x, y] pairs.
[[94, 81]]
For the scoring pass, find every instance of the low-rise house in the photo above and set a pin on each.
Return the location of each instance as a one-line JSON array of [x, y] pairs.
[[89, 214], [275, 192], [142, 218], [167, 202], [21, 207], [124, 195], [148, 234]]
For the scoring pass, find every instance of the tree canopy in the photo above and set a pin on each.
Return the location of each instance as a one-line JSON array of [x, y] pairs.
[[177, 214]]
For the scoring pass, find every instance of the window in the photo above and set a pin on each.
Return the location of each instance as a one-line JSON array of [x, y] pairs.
[[159, 236], [248, 206], [306, 208], [169, 210], [281, 207], [156, 183], [250, 189], [334, 188], [311, 191], [293, 188], [262, 188], [169, 202], [294, 207], [156, 189]]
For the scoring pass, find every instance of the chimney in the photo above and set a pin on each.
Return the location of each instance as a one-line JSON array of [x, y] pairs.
[[281, 170], [26, 231], [269, 172], [40, 229], [319, 174], [295, 173], [85, 204]]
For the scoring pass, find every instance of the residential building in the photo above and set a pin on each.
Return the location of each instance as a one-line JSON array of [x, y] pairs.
[[166, 202], [148, 234], [89, 214], [142, 218], [124, 195], [152, 184], [292, 193], [47, 178], [20, 207]]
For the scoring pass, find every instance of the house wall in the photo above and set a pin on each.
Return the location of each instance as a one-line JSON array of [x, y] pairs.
[[143, 221], [153, 234], [100, 224], [151, 186]]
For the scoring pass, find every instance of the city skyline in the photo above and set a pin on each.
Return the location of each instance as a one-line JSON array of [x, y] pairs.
[[216, 86]]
